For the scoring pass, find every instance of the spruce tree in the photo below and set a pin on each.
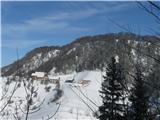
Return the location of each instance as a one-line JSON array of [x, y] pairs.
[[139, 97], [111, 93]]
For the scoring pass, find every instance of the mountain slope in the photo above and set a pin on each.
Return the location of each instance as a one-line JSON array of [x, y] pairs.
[[86, 53]]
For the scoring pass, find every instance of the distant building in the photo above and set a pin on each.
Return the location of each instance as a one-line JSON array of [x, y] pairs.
[[54, 79], [69, 81], [39, 76], [84, 82]]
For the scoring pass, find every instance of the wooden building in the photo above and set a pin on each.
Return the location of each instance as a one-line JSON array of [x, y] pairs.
[[39, 76]]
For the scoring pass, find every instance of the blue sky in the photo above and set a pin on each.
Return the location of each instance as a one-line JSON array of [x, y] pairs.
[[27, 25]]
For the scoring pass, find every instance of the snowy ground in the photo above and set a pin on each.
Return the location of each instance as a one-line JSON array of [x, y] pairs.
[[77, 101]]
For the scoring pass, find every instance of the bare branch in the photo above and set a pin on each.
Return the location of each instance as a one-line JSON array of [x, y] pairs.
[[149, 11], [49, 117]]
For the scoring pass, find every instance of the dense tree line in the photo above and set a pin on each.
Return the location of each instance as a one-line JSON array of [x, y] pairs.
[[142, 99]]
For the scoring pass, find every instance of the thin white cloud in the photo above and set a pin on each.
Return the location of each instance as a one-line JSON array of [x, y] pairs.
[[63, 19], [58, 21]]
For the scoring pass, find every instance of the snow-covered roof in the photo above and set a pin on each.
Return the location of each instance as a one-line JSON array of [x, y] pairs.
[[38, 74], [117, 58], [53, 77]]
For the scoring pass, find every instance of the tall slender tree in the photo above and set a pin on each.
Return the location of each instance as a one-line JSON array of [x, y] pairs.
[[139, 97], [111, 93]]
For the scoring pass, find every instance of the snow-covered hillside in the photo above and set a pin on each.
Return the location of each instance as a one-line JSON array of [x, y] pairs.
[[78, 101], [38, 60]]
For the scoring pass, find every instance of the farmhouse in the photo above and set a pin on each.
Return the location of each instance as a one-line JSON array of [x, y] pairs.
[[39, 76]]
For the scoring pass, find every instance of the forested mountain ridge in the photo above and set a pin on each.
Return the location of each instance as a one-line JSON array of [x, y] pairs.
[[87, 53]]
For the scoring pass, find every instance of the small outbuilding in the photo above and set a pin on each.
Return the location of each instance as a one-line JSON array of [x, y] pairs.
[[69, 81], [53, 79], [84, 82]]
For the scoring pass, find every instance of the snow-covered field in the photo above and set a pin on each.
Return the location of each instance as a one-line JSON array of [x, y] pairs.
[[78, 101]]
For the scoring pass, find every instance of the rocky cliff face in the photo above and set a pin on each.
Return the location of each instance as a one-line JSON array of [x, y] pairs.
[[87, 53]]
